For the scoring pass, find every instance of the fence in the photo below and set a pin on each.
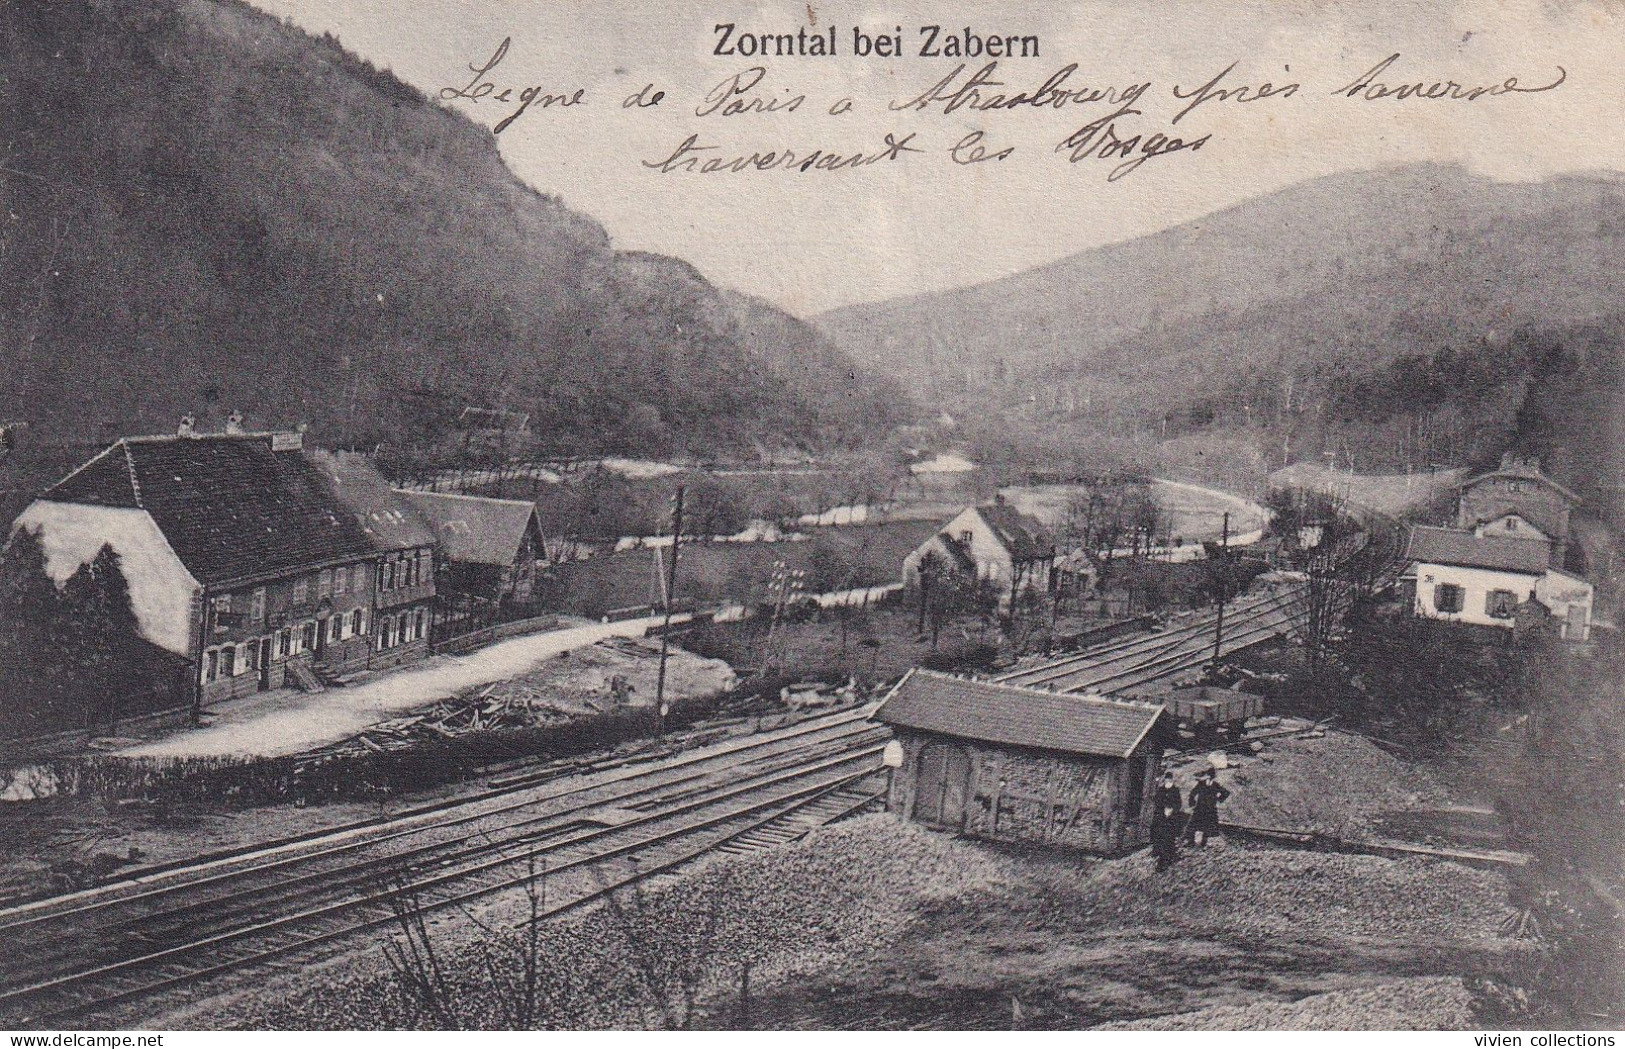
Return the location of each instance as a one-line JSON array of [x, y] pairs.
[[497, 632]]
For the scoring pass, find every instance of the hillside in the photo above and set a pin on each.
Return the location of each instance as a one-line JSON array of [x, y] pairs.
[[211, 210], [1263, 316]]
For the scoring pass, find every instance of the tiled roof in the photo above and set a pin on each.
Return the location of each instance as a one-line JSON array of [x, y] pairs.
[[390, 521], [1523, 471], [1021, 534], [1023, 717], [1452, 546], [473, 529], [232, 509]]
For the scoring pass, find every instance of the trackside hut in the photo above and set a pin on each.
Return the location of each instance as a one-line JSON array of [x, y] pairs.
[[1024, 765]]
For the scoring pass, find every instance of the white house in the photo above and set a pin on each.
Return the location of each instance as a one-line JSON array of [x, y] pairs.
[[997, 544], [1463, 576]]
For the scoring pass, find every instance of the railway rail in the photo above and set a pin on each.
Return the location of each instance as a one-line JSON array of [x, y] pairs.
[[188, 932], [1122, 666]]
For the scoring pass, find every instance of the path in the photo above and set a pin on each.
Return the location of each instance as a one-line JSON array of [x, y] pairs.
[[290, 722]]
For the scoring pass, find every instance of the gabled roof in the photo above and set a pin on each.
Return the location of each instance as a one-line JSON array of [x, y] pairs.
[[1021, 534], [476, 530], [390, 521], [1453, 546], [1521, 470], [232, 508], [1015, 716]]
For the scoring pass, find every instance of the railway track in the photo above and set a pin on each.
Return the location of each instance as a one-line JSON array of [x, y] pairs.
[[1123, 665], [189, 932]]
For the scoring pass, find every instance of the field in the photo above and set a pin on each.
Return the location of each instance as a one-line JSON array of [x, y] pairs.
[[717, 573], [873, 645]]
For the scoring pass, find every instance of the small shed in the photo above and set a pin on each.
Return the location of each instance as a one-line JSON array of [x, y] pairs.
[[1024, 765]]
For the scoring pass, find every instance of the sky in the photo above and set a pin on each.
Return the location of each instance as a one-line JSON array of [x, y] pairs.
[[919, 222]]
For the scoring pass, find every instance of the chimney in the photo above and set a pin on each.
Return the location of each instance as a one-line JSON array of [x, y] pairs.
[[188, 427], [234, 423]]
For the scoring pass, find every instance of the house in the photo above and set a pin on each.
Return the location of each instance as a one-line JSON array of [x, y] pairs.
[[1023, 765], [1519, 501], [240, 555], [403, 587], [995, 544], [1461, 576], [490, 547]]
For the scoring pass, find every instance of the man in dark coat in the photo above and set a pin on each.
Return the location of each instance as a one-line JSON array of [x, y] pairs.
[[1206, 797], [1165, 822]]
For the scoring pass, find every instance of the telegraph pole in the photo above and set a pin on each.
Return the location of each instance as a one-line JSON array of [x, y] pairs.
[[1224, 586], [671, 595]]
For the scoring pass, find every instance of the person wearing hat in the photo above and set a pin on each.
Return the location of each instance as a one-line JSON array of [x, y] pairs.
[[1206, 797], [1165, 822]]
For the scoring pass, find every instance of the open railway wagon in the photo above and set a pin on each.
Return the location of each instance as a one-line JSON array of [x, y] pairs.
[[1210, 714]]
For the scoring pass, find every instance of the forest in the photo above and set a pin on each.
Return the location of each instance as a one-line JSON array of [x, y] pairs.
[[269, 224]]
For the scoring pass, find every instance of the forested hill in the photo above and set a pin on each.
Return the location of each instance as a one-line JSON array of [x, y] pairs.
[[209, 210], [1388, 319]]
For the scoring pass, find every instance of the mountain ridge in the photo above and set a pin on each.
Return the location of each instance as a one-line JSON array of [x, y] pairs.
[[266, 222]]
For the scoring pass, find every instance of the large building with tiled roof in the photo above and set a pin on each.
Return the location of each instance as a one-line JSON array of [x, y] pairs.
[[249, 555], [995, 544], [1023, 765], [1517, 500]]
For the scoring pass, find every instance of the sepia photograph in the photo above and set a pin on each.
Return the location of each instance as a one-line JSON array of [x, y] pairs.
[[783, 515]]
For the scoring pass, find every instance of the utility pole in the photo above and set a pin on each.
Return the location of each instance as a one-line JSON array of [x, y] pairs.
[[1224, 586], [671, 594]]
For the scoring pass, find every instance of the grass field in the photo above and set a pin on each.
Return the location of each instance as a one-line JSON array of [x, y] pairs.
[[714, 573]]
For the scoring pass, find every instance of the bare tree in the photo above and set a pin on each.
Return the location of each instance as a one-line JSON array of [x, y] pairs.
[[671, 955], [520, 988]]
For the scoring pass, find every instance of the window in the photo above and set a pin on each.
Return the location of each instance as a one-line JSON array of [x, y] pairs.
[[211, 664], [335, 629], [965, 536], [309, 639], [284, 644], [389, 575], [385, 629], [1500, 604], [251, 656], [422, 624], [256, 606], [301, 590], [1447, 597], [358, 625], [324, 584], [228, 662], [1512, 524], [341, 581], [360, 578]]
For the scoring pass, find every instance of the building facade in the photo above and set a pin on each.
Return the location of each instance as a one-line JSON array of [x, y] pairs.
[[996, 545], [244, 554], [1459, 576], [1519, 501], [1023, 765], [490, 547]]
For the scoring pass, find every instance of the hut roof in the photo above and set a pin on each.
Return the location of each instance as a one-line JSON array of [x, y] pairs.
[[1023, 717]]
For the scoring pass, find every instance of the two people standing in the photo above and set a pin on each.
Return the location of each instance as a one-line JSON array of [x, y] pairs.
[[1169, 819]]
